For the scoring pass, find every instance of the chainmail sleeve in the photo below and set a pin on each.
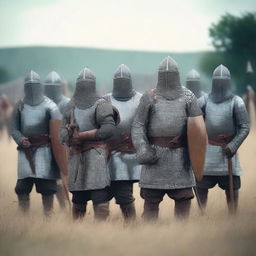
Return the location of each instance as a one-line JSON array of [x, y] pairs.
[[242, 124], [53, 110], [63, 132], [145, 153], [105, 120], [55, 113], [15, 124], [193, 108], [202, 103]]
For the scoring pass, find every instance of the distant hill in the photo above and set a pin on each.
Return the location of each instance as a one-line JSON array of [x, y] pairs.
[[69, 61]]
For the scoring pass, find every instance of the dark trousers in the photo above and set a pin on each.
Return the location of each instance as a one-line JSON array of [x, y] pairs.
[[209, 182], [153, 197], [99, 197], [122, 191], [43, 186]]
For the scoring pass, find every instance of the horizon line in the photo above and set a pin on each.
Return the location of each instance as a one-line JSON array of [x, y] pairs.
[[105, 49]]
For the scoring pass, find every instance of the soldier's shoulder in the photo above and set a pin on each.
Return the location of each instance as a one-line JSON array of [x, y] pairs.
[[149, 97], [138, 94], [204, 94], [107, 96], [187, 92], [204, 97], [149, 94], [238, 100], [49, 103], [188, 95], [19, 103], [63, 102], [202, 100], [69, 105], [65, 99], [68, 108], [102, 101]]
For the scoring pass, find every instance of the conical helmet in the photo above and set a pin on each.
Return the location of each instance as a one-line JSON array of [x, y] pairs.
[[193, 82], [85, 93], [53, 87], [221, 86], [122, 83], [33, 89], [168, 84]]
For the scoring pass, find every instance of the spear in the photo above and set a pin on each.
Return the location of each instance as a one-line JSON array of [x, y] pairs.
[[198, 201], [231, 185]]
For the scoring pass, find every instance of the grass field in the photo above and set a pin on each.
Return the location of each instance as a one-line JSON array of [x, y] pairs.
[[213, 234]]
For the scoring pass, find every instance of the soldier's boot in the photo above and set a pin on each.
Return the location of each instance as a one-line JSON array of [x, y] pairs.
[[129, 211], [24, 202], [151, 211], [182, 209], [47, 204], [232, 208], [203, 196], [78, 211], [101, 211], [60, 195]]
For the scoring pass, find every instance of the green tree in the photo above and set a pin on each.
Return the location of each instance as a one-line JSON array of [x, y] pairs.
[[234, 39]]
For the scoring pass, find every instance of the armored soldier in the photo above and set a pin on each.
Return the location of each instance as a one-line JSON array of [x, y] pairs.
[[34, 127], [124, 167], [227, 126], [194, 85], [250, 97], [159, 134], [53, 89], [87, 123]]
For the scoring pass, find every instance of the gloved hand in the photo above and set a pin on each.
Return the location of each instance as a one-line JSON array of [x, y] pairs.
[[71, 128], [146, 155], [227, 151], [74, 139], [25, 142]]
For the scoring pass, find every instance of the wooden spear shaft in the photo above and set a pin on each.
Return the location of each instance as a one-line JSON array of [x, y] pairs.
[[198, 201], [231, 184]]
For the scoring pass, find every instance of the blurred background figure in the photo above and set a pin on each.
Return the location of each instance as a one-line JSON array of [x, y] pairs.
[[5, 113], [250, 97], [194, 85], [54, 89]]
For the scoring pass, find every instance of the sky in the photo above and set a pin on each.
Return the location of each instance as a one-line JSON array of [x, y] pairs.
[[159, 25]]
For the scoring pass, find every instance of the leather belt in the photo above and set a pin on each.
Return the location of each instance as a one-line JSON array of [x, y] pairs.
[[220, 140], [37, 141], [169, 142]]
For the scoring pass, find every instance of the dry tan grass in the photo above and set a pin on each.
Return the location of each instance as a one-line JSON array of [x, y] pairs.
[[213, 234]]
